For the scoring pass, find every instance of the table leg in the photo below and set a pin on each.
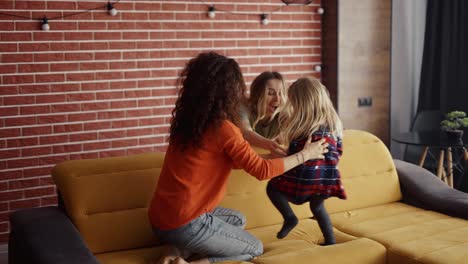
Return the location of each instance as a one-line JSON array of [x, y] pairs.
[[449, 167], [423, 157], [444, 176], [440, 166]]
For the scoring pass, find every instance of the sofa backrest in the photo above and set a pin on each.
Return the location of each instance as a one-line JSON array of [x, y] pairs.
[[107, 199], [368, 173]]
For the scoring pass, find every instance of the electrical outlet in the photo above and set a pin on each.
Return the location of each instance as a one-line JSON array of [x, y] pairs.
[[365, 101]]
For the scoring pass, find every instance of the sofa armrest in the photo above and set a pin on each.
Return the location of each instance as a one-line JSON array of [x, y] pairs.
[[46, 235], [423, 189]]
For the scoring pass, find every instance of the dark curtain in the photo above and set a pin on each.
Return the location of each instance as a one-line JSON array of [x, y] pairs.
[[444, 73]]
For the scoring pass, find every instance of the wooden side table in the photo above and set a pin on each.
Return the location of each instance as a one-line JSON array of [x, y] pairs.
[[435, 139]]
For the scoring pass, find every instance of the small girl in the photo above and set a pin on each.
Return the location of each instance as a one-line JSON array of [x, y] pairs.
[[309, 112]]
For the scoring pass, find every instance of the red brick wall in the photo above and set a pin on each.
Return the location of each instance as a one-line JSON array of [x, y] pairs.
[[97, 86]]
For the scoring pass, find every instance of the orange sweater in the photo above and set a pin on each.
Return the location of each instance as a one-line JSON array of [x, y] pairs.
[[193, 182]]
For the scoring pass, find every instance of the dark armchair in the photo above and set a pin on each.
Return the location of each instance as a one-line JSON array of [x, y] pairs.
[[46, 236]]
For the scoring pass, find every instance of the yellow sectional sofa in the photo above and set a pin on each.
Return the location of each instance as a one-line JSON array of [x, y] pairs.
[[102, 215]]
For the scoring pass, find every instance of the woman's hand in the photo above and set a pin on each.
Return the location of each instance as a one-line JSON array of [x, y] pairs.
[[315, 150], [312, 150]]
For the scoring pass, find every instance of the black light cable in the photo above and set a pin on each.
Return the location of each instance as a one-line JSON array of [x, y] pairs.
[[264, 17], [110, 7]]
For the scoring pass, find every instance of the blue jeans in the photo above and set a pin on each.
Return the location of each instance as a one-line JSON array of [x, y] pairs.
[[217, 235]]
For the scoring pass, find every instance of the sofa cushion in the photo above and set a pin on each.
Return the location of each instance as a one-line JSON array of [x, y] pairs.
[[133, 256], [107, 199], [410, 234], [298, 247], [360, 250], [307, 230], [368, 173]]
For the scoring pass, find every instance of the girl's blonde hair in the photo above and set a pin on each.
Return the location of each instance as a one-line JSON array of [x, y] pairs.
[[307, 110], [256, 103]]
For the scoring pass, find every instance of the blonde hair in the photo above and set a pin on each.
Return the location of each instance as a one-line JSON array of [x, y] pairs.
[[256, 103], [307, 110]]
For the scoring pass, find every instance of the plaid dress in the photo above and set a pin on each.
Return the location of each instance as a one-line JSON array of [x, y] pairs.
[[314, 177]]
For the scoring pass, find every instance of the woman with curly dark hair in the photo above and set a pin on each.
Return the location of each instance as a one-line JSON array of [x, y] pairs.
[[204, 146]]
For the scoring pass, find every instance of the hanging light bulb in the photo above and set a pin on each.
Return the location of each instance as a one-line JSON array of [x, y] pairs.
[[211, 11], [111, 9], [320, 11], [45, 24], [264, 19], [318, 68]]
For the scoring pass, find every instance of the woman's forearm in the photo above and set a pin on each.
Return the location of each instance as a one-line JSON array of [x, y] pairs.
[[255, 139], [312, 150], [293, 161]]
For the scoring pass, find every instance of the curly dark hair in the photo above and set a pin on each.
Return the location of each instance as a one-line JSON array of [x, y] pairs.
[[210, 88]]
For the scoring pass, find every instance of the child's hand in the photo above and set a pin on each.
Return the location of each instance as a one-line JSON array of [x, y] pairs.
[[315, 150]]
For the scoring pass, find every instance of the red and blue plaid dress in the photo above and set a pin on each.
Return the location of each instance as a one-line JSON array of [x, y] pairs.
[[314, 177]]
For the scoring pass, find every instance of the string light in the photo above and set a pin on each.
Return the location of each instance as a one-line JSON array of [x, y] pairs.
[[111, 9], [318, 68], [264, 19], [320, 11], [211, 11], [45, 24]]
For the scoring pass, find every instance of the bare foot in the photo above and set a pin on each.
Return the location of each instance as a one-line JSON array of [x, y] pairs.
[[165, 260], [168, 255], [172, 255], [179, 260]]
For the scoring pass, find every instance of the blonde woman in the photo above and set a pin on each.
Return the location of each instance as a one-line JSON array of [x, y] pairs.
[[309, 112], [259, 112]]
